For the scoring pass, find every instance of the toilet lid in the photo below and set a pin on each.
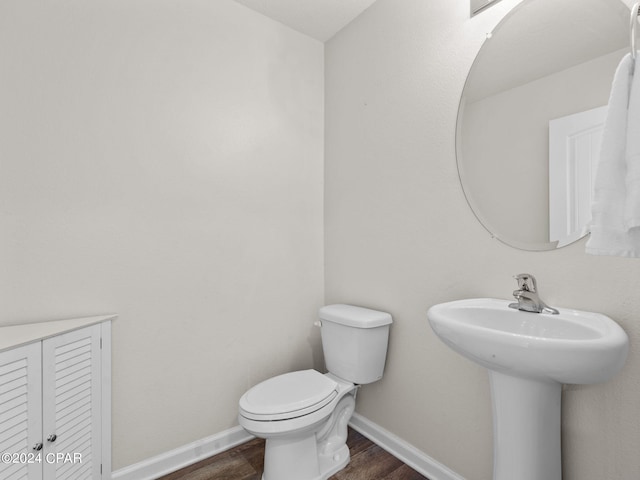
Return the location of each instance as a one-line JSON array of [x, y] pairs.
[[288, 396]]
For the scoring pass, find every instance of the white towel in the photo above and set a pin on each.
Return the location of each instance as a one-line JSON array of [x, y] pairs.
[[609, 232], [632, 200]]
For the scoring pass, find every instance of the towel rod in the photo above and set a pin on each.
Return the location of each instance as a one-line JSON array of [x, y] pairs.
[[635, 11]]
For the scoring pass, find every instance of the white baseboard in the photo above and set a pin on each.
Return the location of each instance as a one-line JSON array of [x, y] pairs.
[[165, 463], [419, 461], [181, 457]]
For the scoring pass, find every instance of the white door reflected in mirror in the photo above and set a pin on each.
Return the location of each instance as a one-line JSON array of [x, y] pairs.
[[574, 150]]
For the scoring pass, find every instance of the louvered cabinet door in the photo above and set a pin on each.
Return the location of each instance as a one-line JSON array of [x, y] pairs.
[[20, 413], [71, 420]]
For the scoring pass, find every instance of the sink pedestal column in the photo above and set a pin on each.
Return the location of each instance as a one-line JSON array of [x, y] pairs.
[[526, 428]]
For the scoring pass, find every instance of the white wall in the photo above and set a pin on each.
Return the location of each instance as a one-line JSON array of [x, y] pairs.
[[162, 159], [400, 237]]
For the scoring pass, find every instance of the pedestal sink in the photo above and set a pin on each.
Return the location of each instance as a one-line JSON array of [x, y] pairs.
[[529, 356]]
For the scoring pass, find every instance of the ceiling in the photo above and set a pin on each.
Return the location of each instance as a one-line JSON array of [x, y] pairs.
[[320, 19]]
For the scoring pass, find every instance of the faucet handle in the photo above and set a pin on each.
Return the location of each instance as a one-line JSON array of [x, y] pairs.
[[526, 281]]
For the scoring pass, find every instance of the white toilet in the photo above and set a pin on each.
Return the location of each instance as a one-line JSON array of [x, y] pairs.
[[304, 415]]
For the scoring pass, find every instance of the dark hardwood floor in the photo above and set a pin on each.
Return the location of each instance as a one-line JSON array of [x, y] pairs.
[[244, 462]]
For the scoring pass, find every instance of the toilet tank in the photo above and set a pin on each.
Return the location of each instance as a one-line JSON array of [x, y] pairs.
[[354, 341]]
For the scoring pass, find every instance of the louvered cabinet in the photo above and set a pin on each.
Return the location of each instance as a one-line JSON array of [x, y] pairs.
[[55, 400], [20, 411]]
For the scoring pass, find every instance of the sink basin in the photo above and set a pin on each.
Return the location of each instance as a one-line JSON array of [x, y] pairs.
[[571, 347], [529, 357]]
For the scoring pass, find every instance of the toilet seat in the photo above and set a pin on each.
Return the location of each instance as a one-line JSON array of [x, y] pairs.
[[288, 396]]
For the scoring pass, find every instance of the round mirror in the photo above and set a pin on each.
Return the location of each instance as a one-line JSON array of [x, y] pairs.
[[531, 118]]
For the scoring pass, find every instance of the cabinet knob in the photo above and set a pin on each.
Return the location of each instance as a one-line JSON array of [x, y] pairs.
[[52, 438], [37, 447]]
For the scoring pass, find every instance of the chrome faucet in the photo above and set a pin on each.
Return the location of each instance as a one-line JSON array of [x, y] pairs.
[[527, 296]]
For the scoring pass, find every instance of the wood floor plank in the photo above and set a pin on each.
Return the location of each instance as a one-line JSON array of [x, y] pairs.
[[231, 468], [405, 472], [255, 454], [368, 464], [244, 462], [227, 466]]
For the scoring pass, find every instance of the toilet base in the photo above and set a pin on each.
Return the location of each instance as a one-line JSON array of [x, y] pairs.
[[331, 464], [315, 454]]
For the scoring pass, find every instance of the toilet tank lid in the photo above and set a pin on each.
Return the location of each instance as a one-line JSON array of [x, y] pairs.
[[353, 316]]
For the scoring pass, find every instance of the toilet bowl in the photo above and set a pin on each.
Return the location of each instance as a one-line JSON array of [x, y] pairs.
[[304, 415]]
